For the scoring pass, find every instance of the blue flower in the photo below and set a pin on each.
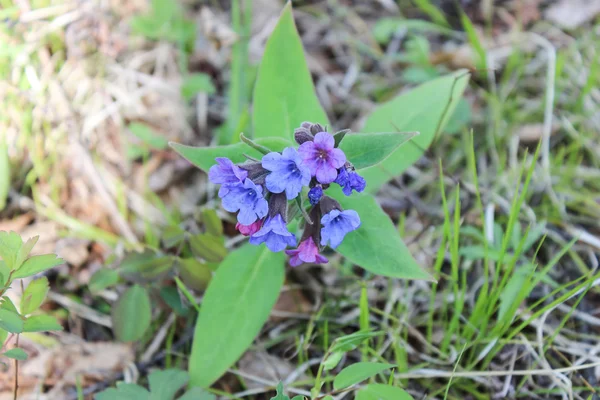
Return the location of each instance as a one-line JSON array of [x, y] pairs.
[[349, 180], [227, 174], [248, 199], [315, 194], [336, 224], [274, 234], [287, 172]]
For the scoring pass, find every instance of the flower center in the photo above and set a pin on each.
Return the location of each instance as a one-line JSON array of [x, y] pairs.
[[322, 155], [251, 193]]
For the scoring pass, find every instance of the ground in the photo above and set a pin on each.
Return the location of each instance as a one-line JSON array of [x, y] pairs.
[[91, 96]]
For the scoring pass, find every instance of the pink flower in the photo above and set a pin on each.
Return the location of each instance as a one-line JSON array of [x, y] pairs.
[[322, 158], [248, 230], [307, 252]]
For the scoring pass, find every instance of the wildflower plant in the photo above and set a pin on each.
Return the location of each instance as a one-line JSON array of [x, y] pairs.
[[299, 191]]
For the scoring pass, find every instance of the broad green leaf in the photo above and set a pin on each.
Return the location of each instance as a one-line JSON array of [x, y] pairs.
[[461, 117], [172, 236], [16, 354], [165, 384], [367, 149], [197, 393], [124, 391], [147, 135], [350, 342], [284, 95], [25, 250], [10, 244], [36, 264], [103, 278], [358, 372], [237, 303], [196, 83], [131, 314], [378, 391], [3, 336], [300, 397], [210, 247], [204, 157], [11, 321], [194, 273], [41, 323], [34, 295], [377, 246], [422, 109]]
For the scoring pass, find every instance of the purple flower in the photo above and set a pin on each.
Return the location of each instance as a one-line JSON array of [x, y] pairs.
[[322, 158], [248, 199], [307, 252], [287, 172], [349, 180], [251, 229], [315, 194], [336, 224], [274, 234], [227, 174]]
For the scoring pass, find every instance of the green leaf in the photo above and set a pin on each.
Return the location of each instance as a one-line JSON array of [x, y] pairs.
[[103, 278], [25, 250], [165, 384], [368, 149], [3, 336], [124, 391], [10, 244], [211, 248], [16, 354], [204, 157], [41, 323], [280, 395], [194, 273], [149, 136], [350, 342], [460, 118], [237, 303], [172, 236], [131, 314], [11, 321], [146, 266], [212, 222], [36, 264], [300, 397], [377, 246], [358, 372], [333, 360], [377, 391], [34, 295], [421, 110], [4, 273], [171, 296], [7, 304], [512, 292], [197, 393], [196, 83], [284, 95]]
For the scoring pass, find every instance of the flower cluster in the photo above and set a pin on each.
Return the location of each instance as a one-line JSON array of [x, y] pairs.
[[259, 191]]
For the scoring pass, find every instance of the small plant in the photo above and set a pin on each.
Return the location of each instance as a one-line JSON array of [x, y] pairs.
[[163, 385], [17, 263]]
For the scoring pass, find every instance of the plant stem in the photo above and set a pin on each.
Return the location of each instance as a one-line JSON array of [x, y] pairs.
[[16, 374]]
